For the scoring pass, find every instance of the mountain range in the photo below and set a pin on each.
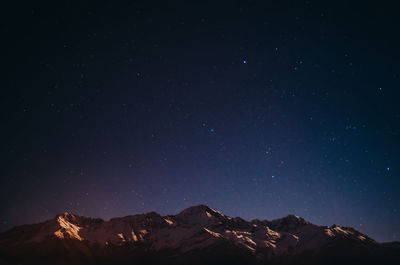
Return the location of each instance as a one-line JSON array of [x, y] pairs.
[[197, 235]]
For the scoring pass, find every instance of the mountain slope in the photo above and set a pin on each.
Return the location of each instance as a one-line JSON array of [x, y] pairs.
[[197, 235]]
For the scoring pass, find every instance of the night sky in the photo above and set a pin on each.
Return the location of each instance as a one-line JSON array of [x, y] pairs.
[[257, 109]]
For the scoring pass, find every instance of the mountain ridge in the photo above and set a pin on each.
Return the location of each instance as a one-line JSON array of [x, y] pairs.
[[185, 237]]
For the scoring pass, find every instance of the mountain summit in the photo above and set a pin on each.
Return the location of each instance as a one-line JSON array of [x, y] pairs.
[[197, 235]]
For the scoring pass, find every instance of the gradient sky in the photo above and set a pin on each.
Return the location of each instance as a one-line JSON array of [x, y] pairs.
[[259, 109]]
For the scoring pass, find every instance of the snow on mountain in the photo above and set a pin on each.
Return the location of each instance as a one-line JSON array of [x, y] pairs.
[[196, 228]]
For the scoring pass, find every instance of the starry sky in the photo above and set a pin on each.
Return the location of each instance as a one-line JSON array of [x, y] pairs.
[[259, 109]]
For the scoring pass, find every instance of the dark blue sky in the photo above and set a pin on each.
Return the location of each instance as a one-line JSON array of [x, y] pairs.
[[257, 108]]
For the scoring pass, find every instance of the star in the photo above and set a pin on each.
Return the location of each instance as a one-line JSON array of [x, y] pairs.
[[211, 130], [244, 62]]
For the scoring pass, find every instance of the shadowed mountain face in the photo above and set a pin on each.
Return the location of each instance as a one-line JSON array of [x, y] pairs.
[[197, 235]]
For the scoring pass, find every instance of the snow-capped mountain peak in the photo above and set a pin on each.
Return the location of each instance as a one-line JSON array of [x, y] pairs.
[[195, 229]]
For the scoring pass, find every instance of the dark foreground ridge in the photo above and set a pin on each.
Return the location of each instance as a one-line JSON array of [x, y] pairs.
[[197, 235]]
